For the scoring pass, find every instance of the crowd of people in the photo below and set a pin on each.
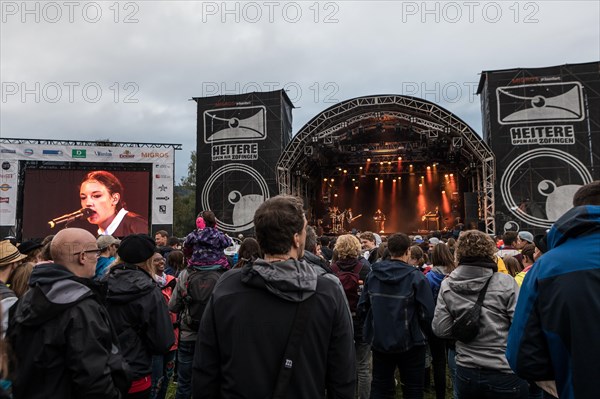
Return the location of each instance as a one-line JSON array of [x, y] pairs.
[[294, 315]]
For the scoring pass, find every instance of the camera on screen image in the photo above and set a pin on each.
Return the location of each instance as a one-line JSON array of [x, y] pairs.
[[317, 92], [470, 11], [53, 12], [69, 92], [438, 92], [270, 11]]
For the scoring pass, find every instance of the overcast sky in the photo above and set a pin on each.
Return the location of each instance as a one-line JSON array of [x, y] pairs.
[[125, 71]]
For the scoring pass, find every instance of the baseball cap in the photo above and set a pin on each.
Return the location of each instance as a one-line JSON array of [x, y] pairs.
[[526, 236], [106, 241]]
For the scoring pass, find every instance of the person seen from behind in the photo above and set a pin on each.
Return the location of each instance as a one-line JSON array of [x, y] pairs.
[[399, 306], [558, 311], [61, 332], [349, 267], [138, 311], [245, 330], [482, 371]]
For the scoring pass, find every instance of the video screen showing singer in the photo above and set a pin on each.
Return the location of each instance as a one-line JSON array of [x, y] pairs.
[[103, 194]]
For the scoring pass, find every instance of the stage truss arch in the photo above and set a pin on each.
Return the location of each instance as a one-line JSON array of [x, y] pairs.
[[387, 125]]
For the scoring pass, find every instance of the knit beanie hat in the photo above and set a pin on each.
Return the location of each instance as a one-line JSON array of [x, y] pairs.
[[136, 248]]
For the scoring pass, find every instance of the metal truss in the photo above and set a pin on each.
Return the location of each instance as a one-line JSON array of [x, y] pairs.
[[331, 127], [97, 143]]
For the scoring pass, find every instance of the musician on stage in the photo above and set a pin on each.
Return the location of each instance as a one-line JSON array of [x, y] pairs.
[[379, 218], [348, 219]]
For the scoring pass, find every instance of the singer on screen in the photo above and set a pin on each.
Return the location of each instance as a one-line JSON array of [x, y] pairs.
[[102, 193]]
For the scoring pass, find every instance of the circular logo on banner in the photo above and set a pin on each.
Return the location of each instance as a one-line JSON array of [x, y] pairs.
[[6, 165], [234, 192], [532, 189]]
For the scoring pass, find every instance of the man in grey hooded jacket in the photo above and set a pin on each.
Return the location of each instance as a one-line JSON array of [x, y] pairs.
[[245, 328]]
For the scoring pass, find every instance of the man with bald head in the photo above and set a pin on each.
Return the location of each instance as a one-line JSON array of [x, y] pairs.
[[61, 332]]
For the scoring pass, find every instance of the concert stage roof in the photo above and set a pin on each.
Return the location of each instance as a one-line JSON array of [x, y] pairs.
[[402, 154]]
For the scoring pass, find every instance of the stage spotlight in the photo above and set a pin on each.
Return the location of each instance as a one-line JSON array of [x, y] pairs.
[[345, 171], [361, 168], [356, 187], [335, 195], [429, 168], [368, 159], [325, 179], [381, 163], [399, 158], [410, 166], [332, 179], [420, 184], [353, 179], [389, 162], [451, 174], [377, 178], [446, 176], [443, 191]]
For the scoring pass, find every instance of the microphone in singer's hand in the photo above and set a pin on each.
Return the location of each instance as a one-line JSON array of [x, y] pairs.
[[69, 217]]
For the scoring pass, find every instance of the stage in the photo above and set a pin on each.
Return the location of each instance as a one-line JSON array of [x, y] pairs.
[[421, 166]]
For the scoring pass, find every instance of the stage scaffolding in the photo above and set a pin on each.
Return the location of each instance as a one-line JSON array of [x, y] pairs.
[[416, 122]]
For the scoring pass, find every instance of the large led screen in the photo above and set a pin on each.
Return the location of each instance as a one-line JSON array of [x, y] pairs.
[[51, 193]]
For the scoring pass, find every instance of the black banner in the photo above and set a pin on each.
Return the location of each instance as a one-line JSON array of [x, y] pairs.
[[240, 139], [543, 125]]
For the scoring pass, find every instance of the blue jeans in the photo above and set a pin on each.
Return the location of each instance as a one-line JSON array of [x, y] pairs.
[[363, 372], [162, 372], [452, 370], [185, 360], [411, 365], [489, 384]]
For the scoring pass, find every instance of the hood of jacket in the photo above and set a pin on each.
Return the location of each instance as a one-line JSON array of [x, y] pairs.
[[392, 271], [128, 282], [576, 222], [53, 289], [292, 280], [436, 275], [469, 279], [315, 261]]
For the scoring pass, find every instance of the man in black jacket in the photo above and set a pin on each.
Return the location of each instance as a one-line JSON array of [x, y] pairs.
[[399, 306], [60, 332], [245, 328]]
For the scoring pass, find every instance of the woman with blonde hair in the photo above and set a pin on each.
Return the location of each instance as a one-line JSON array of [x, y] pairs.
[[20, 278], [348, 260], [482, 370]]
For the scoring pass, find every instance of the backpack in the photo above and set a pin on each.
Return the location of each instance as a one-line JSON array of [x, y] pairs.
[[199, 286], [349, 280]]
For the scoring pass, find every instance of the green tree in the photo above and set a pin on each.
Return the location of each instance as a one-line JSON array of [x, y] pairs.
[[190, 180], [184, 213]]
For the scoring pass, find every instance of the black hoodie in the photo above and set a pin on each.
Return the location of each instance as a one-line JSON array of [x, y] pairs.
[[140, 316], [62, 340]]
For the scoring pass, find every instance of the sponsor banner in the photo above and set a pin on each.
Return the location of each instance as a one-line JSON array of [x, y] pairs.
[[86, 154], [240, 139], [162, 193], [8, 191], [543, 125]]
